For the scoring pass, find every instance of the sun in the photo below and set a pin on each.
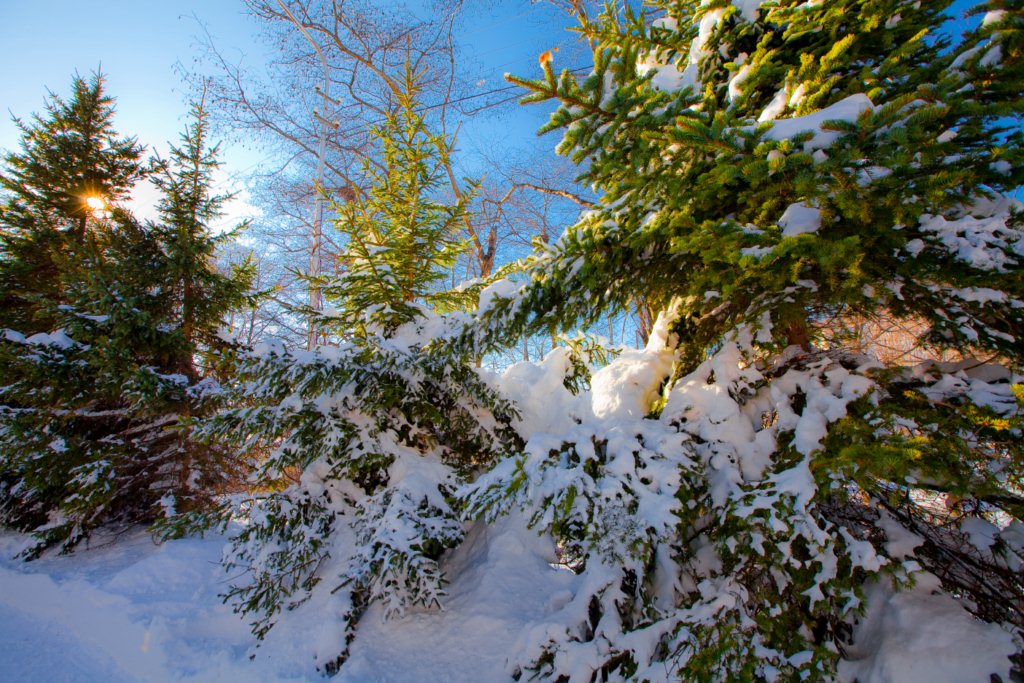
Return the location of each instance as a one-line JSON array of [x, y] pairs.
[[96, 204]]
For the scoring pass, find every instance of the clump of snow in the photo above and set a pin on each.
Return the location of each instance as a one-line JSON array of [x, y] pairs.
[[1002, 166], [993, 56], [981, 532], [667, 77], [983, 239], [756, 252], [731, 434], [982, 295], [748, 9], [798, 95], [901, 542], [914, 247], [628, 385], [58, 339], [965, 57], [523, 382], [847, 109], [500, 289], [993, 17], [800, 219], [736, 82], [983, 384], [775, 107], [1013, 537]]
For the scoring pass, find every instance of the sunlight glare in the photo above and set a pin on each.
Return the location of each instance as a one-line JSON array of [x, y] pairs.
[[96, 204]]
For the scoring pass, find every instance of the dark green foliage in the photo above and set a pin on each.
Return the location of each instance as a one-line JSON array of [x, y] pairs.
[[67, 157], [97, 413]]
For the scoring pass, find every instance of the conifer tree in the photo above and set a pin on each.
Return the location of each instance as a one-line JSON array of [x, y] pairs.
[[402, 240], [96, 412], [369, 438], [199, 295], [70, 157], [769, 171]]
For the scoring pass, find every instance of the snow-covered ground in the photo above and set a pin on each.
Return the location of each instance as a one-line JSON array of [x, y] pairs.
[[126, 611], [130, 610]]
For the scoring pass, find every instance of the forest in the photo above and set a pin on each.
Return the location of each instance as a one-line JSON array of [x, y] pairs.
[[727, 386]]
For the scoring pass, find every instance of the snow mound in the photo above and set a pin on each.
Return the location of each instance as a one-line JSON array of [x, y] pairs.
[[627, 386], [920, 635]]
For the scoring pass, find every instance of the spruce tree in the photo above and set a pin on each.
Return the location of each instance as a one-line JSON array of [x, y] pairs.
[[370, 437], [97, 412], [771, 172], [71, 163]]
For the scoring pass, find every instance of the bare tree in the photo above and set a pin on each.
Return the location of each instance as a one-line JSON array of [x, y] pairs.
[[333, 74]]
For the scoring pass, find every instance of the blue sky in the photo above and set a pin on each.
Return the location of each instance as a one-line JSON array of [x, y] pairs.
[[137, 43]]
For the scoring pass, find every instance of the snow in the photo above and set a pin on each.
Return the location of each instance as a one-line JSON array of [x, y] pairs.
[[798, 95], [984, 239], [524, 381], [500, 579], [627, 386], [901, 542], [920, 635], [736, 442], [992, 57], [800, 219], [965, 56], [667, 77], [132, 611], [1002, 166], [500, 289], [981, 295], [748, 9], [972, 379], [756, 252], [775, 107], [847, 109], [59, 339], [736, 82], [981, 532]]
